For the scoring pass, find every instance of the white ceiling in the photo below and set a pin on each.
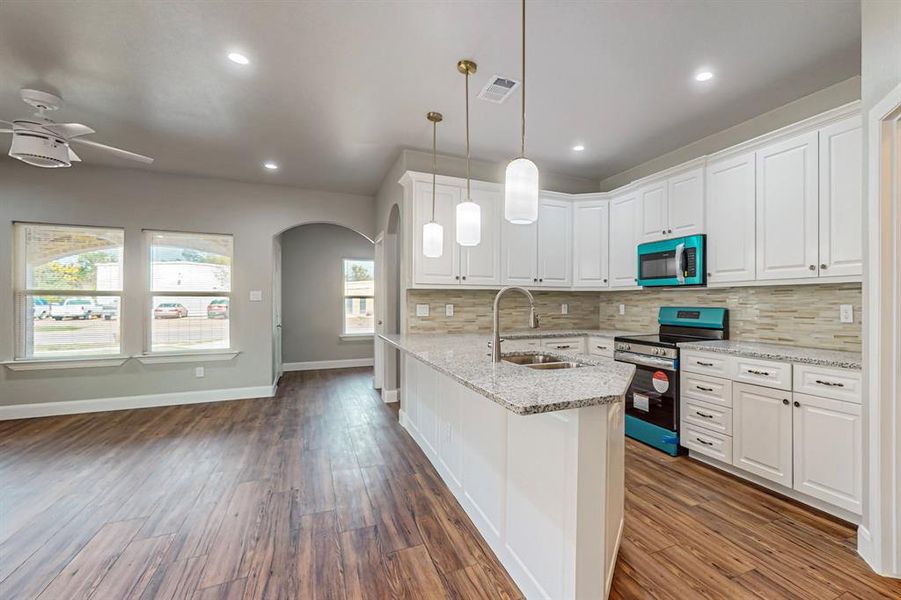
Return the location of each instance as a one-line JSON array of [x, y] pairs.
[[335, 89]]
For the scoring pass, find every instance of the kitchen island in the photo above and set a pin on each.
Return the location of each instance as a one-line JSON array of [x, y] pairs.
[[535, 457]]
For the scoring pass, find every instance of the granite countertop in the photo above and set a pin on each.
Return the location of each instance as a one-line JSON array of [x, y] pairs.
[[527, 334], [795, 354], [466, 358]]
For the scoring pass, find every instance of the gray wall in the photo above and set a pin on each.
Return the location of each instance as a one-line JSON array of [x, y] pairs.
[[312, 306], [136, 199], [808, 106]]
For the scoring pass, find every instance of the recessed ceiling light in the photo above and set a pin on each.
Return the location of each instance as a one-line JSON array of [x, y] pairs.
[[270, 165], [704, 76], [578, 148], [236, 57]]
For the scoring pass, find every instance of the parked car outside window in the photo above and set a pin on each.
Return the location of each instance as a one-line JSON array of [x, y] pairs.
[[217, 309], [170, 310], [41, 308]]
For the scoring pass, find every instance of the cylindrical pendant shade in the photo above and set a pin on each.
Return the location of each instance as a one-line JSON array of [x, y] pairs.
[[521, 192], [469, 223], [432, 240]]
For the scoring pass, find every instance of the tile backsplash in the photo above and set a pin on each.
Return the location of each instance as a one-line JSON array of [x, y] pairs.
[[798, 315], [472, 310]]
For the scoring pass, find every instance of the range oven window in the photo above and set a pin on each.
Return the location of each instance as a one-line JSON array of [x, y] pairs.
[[653, 397], [659, 265]]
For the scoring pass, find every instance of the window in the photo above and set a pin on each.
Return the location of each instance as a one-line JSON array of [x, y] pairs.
[[68, 288], [359, 288], [190, 291]]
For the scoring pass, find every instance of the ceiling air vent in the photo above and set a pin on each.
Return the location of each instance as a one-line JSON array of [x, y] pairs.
[[498, 89]]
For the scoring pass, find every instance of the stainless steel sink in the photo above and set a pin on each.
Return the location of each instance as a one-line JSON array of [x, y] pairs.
[[540, 361]]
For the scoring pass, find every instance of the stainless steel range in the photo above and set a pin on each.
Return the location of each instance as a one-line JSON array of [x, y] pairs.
[[652, 401]]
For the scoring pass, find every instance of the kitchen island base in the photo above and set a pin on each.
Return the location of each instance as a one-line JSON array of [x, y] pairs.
[[544, 490]]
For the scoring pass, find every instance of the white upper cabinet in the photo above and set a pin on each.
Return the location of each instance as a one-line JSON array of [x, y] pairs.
[[591, 243], [519, 254], [555, 245], [481, 265], [685, 203], [730, 219], [841, 199], [653, 221], [623, 240], [446, 269], [787, 209]]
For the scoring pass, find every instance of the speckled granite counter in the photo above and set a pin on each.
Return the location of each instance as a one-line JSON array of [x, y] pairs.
[[526, 334], [795, 354], [465, 358]]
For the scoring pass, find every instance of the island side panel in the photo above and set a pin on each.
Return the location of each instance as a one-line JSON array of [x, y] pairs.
[[615, 487]]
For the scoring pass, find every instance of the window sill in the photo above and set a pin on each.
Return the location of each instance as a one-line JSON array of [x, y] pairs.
[[81, 362], [187, 357], [357, 337]]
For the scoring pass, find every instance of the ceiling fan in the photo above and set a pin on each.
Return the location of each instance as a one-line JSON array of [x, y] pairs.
[[41, 142]]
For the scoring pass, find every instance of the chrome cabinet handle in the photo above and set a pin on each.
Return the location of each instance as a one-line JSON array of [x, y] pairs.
[[824, 266], [703, 442], [830, 383], [704, 389], [705, 415], [601, 347], [756, 372], [704, 364], [812, 267]]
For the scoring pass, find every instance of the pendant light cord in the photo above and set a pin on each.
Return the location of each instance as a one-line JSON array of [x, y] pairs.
[[468, 192], [434, 163], [523, 139]]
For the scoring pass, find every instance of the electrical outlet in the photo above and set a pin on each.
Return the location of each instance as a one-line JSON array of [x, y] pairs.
[[448, 310], [256, 295], [422, 310], [622, 309], [564, 309], [198, 372], [846, 313]]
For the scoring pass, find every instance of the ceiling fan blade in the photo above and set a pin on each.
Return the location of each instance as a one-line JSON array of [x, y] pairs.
[[117, 151], [73, 157], [68, 130]]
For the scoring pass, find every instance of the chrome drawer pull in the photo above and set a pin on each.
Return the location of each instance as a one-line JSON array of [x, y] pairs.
[[564, 347], [601, 347], [705, 415], [829, 383], [755, 372], [704, 364], [703, 442], [704, 389]]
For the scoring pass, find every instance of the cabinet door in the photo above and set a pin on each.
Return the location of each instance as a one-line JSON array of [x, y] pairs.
[[446, 268], [623, 241], [653, 220], [787, 209], [555, 244], [730, 219], [841, 199], [481, 265], [519, 254], [591, 243], [762, 432], [828, 450], [685, 203]]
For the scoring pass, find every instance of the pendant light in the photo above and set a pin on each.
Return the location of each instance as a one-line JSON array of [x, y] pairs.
[[521, 182], [469, 214], [432, 232]]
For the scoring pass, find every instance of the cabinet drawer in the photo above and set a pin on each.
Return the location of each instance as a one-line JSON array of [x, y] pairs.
[[600, 346], [573, 344], [838, 384], [711, 417], [706, 363], [768, 373], [706, 442], [708, 389], [519, 345]]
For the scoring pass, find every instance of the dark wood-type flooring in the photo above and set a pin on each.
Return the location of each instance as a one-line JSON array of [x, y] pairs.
[[319, 493]]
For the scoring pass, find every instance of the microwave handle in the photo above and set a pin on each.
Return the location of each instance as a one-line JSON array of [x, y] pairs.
[[680, 255]]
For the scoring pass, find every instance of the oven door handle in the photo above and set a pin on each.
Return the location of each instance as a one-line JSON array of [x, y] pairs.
[[680, 256], [665, 364]]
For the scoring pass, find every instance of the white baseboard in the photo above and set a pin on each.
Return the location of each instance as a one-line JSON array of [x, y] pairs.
[[73, 407], [389, 396], [317, 365]]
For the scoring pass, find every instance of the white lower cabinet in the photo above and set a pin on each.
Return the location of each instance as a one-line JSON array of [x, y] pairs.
[[600, 346], [828, 450], [762, 432]]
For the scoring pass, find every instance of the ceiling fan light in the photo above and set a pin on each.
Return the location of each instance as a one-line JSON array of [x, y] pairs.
[[40, 151], [432, 240], [521, 192], [469, 223]]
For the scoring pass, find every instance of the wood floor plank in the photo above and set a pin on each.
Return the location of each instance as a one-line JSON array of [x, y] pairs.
[[365, 573], [176, 580], [414, 570], [135, 568], [352, 505]]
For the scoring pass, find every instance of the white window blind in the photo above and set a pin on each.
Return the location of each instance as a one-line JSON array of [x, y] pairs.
[[359, 297], [68, 290], [190, 291]]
